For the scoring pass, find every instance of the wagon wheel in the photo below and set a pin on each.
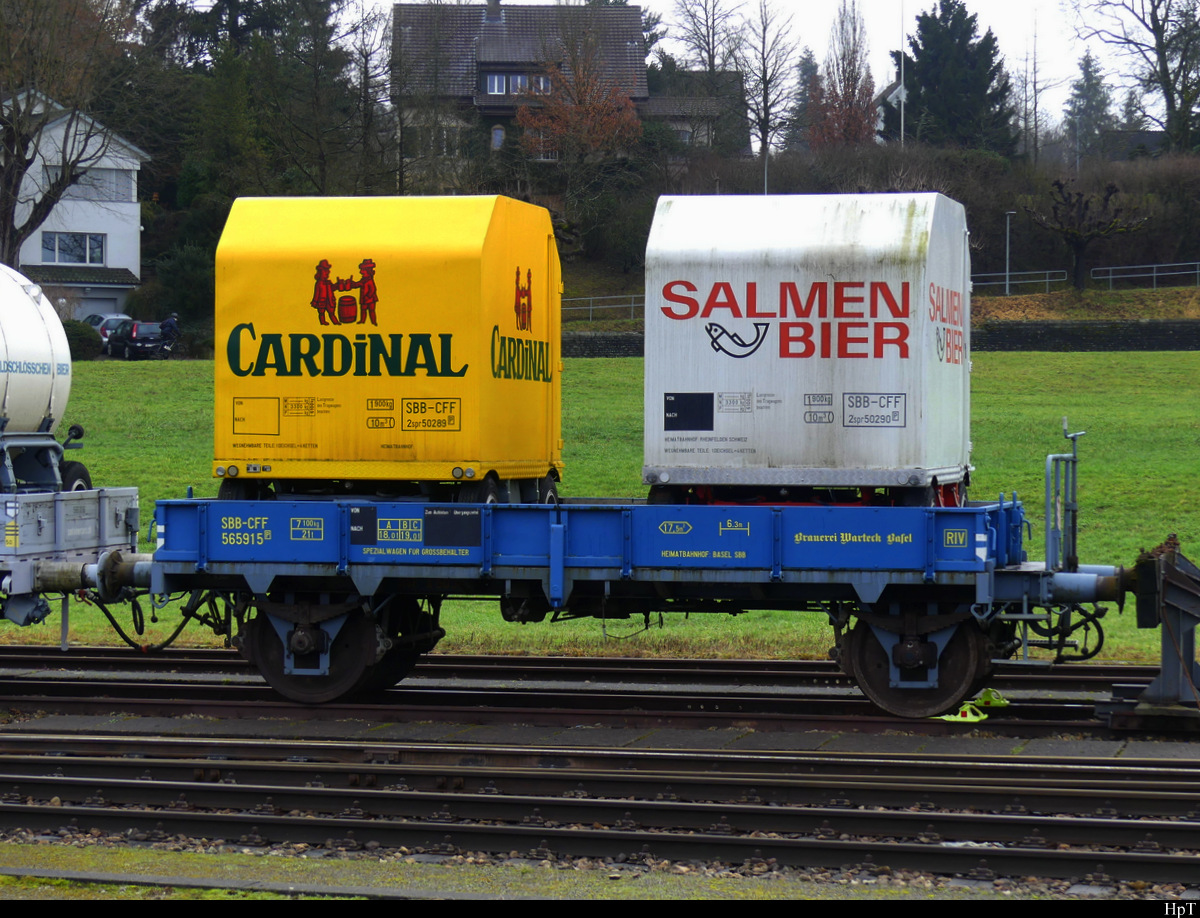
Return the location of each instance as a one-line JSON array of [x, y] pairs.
[[486, 491], [962, 665], [406, 619], [391, 670], [351, 660], [539, 490], [75, 477]]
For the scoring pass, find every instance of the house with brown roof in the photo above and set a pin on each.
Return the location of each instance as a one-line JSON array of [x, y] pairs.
[[706, 110], [461, 71]]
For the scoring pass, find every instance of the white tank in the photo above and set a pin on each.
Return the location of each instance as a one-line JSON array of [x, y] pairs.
[[807, 340], [35, 360]]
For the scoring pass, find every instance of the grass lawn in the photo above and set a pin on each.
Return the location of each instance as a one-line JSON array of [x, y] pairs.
[[150, 425]]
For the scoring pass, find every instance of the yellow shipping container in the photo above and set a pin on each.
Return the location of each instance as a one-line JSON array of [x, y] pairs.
[[387, 340]]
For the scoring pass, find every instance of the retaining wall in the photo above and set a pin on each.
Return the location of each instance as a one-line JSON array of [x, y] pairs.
[[1148, 335]]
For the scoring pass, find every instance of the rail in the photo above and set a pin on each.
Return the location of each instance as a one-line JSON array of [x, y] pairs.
[[1019, 279], [1190, 270]]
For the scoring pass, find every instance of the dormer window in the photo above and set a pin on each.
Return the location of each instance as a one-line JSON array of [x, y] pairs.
[[518, 83], [541, 84], [495, 84]]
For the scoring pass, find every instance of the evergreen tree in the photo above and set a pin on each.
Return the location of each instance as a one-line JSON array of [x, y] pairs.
[[294, 110], [1133, 116], [958, 94], [228, 157], [1088, 113], [304, 105], [808, 83]]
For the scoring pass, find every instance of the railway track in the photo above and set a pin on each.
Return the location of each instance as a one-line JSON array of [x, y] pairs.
[[536, 705], [1035, 676], [979, 816], [1108, 820], [763, 695]]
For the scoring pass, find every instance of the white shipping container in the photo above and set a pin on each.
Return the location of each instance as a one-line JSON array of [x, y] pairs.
[[808, 340]]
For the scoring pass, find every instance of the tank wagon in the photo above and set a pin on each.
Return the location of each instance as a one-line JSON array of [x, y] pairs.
[[54, 522], [807, 444]]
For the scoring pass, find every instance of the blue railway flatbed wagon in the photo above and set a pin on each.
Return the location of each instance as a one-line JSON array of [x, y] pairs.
[[722, 552], [348, 592]]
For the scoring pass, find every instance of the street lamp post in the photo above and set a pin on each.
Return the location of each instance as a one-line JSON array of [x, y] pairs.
[[1008, 215]]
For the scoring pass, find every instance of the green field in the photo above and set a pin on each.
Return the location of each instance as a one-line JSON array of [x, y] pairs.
[[150, 425]]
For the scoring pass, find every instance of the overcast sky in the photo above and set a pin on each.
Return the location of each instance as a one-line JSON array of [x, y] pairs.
[[1024, 29]]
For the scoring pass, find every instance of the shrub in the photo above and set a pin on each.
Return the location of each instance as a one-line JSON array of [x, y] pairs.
[[83, 340]]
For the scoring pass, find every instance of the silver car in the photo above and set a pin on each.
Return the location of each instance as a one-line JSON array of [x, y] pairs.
[[105, 324]]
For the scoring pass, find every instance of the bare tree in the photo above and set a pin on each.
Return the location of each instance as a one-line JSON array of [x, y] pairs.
[[1161, 39], [430, 126], [587, 120], [1080, 218], [767, 60], [845, 98], [56, 57], [711, 33], [1032, 121], [369, 48]]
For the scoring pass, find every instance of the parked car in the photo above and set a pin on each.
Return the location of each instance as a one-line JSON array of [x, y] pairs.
[[107, 327], [104, 323], [132, 339]]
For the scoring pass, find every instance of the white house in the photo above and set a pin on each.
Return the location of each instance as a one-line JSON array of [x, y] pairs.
[[87, 253]]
